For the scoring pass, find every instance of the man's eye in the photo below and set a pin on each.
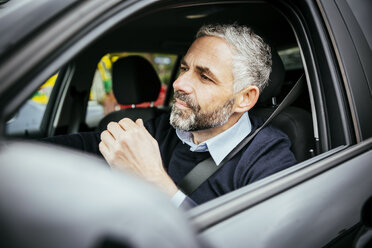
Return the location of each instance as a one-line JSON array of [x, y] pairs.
[[183, 69], [204, 77]]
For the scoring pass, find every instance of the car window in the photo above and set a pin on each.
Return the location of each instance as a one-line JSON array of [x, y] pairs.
[[27, 121], [291, 58], [102, 100]]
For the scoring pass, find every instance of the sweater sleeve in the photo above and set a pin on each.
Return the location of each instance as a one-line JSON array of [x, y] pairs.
[[86, 141], [89, 141]]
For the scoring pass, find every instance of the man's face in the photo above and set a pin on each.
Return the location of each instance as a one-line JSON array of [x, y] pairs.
[[204, 89]]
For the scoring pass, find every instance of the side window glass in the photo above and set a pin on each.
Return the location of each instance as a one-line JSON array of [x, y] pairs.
[[27, 121], [291, 58], [102, 100]]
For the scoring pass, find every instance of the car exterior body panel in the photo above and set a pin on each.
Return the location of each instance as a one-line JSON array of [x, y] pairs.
[[303, 216]]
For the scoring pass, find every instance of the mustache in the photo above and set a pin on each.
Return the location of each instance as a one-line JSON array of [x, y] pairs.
[[187, 100]]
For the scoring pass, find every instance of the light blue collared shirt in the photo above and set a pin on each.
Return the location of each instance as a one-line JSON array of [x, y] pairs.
[[218, 146]]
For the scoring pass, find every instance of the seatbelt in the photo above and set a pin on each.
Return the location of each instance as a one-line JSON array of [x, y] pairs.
[[206, 168]]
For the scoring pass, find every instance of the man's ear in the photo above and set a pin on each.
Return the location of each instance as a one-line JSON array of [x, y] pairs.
[[246, 99]]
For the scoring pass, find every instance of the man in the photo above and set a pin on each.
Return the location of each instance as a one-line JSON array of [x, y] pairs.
[[221, 77]]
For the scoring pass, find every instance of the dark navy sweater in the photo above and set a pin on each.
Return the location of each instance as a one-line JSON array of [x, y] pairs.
[[267, 153]]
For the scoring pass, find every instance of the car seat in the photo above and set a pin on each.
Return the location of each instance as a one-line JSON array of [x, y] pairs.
[[294, 121], [134, 81]]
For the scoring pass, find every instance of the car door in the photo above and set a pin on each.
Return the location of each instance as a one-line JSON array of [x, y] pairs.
[[320, 204], [317, 206]]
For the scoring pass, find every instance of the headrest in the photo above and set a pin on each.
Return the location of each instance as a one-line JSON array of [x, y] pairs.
[[275, 81], [135, 80]]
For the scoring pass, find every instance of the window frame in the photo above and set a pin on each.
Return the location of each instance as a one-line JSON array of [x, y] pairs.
[[306, 22]]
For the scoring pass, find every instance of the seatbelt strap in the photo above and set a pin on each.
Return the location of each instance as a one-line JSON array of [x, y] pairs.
[[206, 168]]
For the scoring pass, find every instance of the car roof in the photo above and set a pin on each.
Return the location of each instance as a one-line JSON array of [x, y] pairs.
[[165, 27], [21, 18]]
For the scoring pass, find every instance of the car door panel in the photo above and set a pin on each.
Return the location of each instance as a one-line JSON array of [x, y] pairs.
[[311, 214]]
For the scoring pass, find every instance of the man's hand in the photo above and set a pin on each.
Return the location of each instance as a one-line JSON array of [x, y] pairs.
[[128, 145]]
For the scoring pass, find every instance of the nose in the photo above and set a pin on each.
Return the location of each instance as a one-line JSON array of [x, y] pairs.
[[183, 83]]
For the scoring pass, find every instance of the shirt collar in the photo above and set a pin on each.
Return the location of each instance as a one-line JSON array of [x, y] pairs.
[[222, 144]]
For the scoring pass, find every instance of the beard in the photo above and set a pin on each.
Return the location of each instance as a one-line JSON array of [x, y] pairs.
[[194, 118]]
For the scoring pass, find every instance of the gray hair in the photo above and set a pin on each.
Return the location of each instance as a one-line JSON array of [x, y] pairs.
[[251, 55]]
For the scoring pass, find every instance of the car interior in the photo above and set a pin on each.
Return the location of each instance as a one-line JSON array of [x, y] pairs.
[[170, 29]]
